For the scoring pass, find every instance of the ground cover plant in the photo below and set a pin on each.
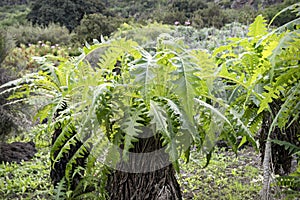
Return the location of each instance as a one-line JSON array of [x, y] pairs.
[[28, 180], [226, 177]]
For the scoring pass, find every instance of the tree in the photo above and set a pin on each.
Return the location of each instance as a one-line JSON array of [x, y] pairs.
[[94, 26], [14, 2], [131, 118], [67, 13], [263, 72]]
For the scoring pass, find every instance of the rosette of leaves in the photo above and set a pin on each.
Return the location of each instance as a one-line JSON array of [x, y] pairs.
[[262, 71], [122, 125]]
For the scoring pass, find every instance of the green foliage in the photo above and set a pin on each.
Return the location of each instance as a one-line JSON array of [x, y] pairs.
[[209, 38], [32, 34], [226, 177], [293, 149], [291, 182], [15, 117], [14, 2], [248, 72], [21, 59], [212, 16], [6, 44], [66, 13], [265, 74], [270, 11], [7, 120], [258, 27], [205, 38], [11, 15], [28, 180], [158, 89], [170, 17], [180, 93], [94, 26], [144, 35], [24, 181]]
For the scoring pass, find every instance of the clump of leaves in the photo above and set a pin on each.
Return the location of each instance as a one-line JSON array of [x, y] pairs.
[[171, 90], [21, 59]]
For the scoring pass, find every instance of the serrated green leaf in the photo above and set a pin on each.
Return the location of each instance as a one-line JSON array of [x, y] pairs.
[[258, 27]]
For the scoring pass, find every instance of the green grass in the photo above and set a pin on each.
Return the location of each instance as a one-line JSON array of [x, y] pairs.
[[226, 177], [28, 180]]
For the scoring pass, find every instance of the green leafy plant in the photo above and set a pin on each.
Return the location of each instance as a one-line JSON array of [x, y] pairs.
[[13, 14], [168, 92], [27, 33], [94, 26], [65, 13], [263, 70], [291, 182], [28, 180]]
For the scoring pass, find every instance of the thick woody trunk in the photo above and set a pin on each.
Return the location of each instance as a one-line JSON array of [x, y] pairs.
[[158, 185], [142, 177]]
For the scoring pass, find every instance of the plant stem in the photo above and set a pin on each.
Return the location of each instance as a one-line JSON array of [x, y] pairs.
[[266, 170]]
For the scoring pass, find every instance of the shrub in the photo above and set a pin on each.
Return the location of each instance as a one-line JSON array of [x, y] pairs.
[[13, 2], [31, 34], [171, 17], [11, 15], [205, 38], [245, 15], [144, 35], [211, 16], [6, 113], [20, 58], [209, 38], [270, 11], [94, 25], [65, 12], [217, 17]]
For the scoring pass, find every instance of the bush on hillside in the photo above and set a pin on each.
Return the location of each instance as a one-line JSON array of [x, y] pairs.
[[20, 59], [31, 34], [144, 35], [171, 17], [14, 2], [245, 15], [7, 121], [12, 15], [94, 25], [67, 13], [270, 11]]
